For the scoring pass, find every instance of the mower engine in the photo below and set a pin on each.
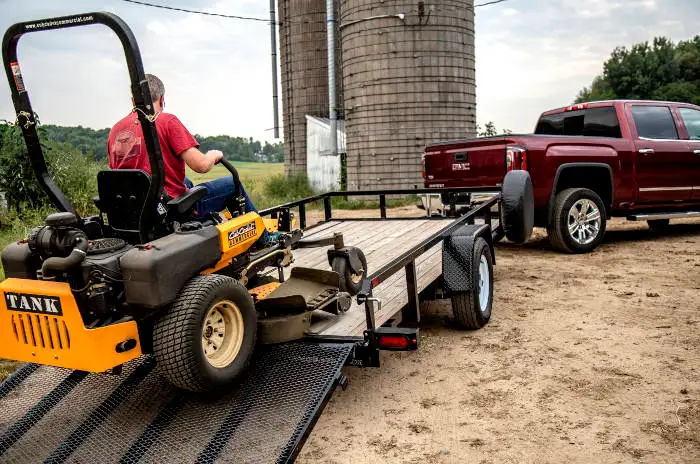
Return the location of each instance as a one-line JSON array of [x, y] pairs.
[[61, 251]]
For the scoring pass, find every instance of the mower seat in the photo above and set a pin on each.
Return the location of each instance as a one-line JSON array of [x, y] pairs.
[[122, 194]]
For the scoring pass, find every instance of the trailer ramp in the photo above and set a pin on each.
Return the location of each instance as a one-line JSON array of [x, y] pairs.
[[53, 415]]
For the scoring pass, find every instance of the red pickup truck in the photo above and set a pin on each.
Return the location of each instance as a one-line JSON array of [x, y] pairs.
[[589, 162]]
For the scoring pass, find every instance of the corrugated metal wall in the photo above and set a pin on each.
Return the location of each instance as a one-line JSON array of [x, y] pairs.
[[406, 83], [304, 66]]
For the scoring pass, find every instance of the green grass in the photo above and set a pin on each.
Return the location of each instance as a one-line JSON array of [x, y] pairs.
[[248, 172]]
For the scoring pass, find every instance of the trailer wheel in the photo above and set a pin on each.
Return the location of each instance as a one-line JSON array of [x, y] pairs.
[[517, 206], [206, 338], [659, 224], [350, 281], [579, 221], [472, 309]]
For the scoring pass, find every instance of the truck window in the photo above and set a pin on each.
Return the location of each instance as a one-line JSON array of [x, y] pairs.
[[593, 122], [654, 122], [691, 118]]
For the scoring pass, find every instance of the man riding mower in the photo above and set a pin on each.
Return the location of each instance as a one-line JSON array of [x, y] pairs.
[[148, 276]]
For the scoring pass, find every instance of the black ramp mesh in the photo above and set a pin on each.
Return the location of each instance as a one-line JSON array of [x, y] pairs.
[[138, 417]]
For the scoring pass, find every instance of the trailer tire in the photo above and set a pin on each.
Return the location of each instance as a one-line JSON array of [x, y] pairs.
[[349, 281], [206, 307], [558, 229], [472, 309], [517, 206]]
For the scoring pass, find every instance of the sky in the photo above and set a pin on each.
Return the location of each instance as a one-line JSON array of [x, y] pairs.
[[531, 55]]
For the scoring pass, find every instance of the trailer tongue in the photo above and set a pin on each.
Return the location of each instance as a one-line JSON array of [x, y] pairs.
[[55, 415]]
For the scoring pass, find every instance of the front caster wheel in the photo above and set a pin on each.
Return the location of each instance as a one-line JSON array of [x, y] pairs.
[[350, 281], [206, 338]]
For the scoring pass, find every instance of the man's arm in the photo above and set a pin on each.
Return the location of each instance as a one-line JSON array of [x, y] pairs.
[[200, 162]]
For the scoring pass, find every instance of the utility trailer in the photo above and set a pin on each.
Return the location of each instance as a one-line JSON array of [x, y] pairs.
[[55, 415]]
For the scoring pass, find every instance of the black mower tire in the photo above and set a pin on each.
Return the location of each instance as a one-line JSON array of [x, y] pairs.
[[659, 224], [348, 280], [177, 335], [558, 231], [517, 206], [466, 305]]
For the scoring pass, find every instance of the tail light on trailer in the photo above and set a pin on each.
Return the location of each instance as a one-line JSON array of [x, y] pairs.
[[396, 339], [516, 159]]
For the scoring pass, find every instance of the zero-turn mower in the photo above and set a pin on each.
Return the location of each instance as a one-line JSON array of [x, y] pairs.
[[151, 276]]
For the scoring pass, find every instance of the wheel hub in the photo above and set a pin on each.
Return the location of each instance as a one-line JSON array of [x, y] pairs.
[[584, 221], [222, 333]]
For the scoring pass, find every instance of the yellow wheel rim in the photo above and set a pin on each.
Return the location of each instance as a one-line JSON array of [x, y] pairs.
[[222, 333]]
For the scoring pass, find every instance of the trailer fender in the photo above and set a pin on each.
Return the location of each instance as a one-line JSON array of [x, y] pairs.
[[457, 256]]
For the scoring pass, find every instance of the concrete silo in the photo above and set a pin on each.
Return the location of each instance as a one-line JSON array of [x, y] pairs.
[[408, 80], [304, 66]]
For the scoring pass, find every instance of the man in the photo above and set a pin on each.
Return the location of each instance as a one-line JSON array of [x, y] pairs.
[[127, 150]]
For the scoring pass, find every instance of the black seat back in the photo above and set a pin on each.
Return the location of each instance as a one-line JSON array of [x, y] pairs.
[[122, 196]]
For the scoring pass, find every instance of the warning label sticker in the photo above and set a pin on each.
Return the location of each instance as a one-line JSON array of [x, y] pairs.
[[19, 82]]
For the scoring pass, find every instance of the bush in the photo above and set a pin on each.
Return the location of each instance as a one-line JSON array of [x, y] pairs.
[[280, 189], [72, 172]]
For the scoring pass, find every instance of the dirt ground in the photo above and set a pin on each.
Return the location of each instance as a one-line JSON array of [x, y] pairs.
[[589, 358]]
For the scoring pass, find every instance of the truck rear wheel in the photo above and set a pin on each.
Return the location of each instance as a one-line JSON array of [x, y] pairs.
[[206, 338], [472, 309], [578, 221]]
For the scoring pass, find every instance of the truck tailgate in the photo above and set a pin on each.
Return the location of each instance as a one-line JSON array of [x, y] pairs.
[[466, 163]]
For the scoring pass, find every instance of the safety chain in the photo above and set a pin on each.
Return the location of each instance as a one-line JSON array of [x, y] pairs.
[[27, 122], [149, 117]]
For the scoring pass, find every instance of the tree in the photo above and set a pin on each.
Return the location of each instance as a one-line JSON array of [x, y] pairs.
[[658, 71], [490, 130]]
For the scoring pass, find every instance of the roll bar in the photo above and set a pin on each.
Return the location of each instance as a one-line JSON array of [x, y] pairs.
[[139, 91]]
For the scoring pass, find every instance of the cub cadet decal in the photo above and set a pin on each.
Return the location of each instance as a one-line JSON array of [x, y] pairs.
[[241, 234], [33, 303]]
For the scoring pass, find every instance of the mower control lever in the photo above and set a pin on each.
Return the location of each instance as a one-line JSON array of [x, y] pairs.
[[236, 186]]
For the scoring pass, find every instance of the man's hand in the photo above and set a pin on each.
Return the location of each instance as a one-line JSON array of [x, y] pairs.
[[198, 161], [216, 155]]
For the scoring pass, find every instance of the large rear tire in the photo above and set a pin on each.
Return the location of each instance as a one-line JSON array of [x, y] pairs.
[[472, 309], [578, 221], [517, 206], [206, 338]]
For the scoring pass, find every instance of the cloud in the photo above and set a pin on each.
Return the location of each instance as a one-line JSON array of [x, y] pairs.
[[542, 57], [532, 55]]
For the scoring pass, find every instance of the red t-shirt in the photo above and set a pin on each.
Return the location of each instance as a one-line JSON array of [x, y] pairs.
[[127, 149]]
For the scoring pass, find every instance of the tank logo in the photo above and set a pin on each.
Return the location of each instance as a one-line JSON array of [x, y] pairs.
[[241, 234], [33, 303], [460, 167]]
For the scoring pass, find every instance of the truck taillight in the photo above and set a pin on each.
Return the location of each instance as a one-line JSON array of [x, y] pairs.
[[423, 160], [516, 159]]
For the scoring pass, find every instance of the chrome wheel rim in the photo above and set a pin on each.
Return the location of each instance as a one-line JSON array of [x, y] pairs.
[[484, 284], [584, 221], [222, 333]]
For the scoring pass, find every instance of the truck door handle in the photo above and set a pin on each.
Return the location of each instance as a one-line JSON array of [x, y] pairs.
[[646, 151], [697, 152]]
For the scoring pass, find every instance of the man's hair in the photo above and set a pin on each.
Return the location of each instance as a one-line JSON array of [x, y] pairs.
[[156, 87]]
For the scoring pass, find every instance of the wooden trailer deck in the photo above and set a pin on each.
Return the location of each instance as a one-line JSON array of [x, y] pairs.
[[381, 242]]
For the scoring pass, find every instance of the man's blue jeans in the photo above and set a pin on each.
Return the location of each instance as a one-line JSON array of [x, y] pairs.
[[219, 190]]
